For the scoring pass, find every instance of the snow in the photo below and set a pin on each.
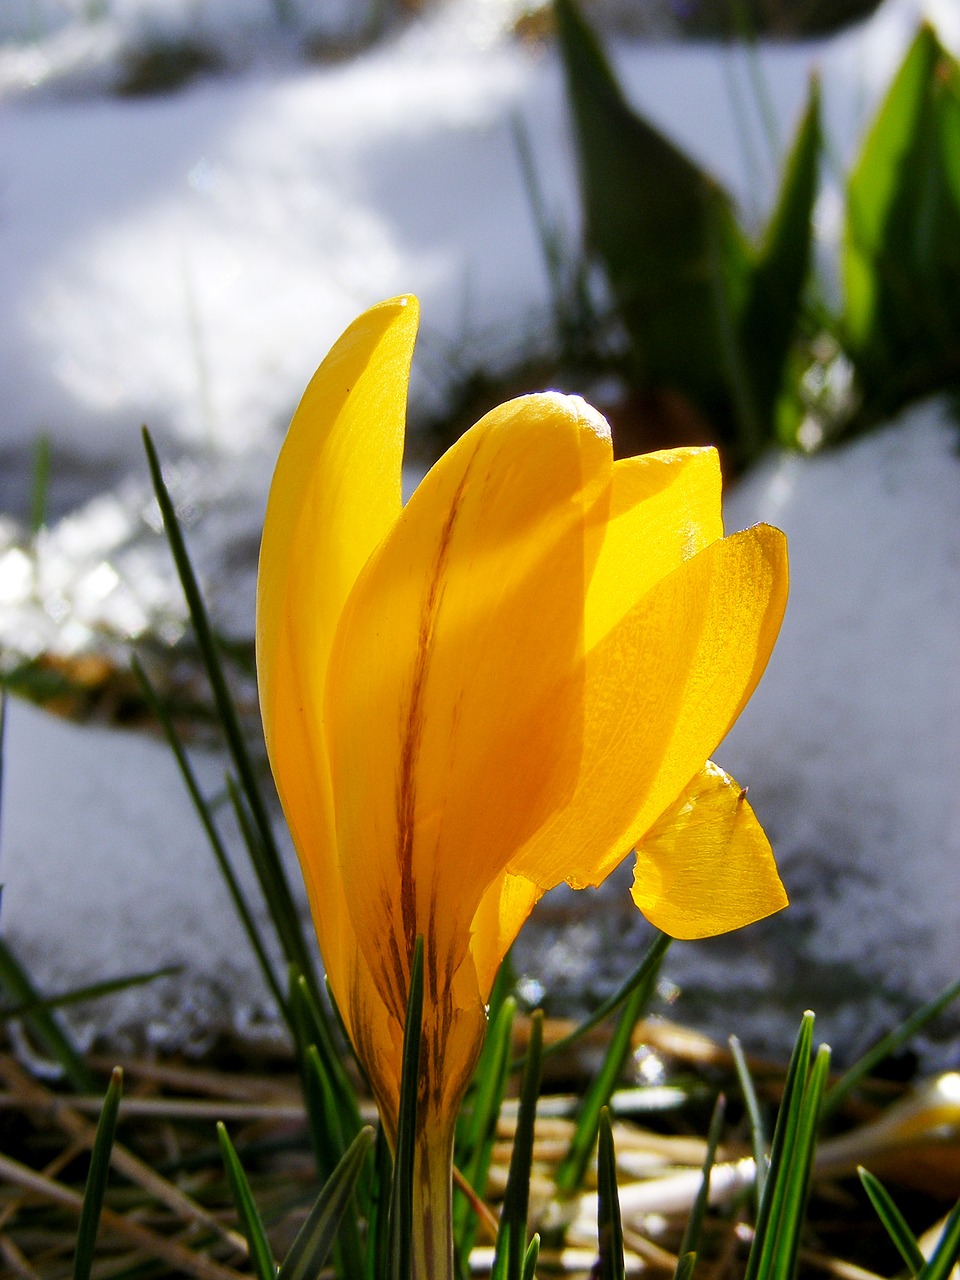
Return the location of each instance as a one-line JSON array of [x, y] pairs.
[[185, 260]]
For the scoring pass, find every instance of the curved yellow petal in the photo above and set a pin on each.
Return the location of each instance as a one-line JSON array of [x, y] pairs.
[[705, 866], [664, 508], [335, 493], [502, 911], [455, 692], [660, 691]]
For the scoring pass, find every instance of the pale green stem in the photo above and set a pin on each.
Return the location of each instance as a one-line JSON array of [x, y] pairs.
[[432, 1243]]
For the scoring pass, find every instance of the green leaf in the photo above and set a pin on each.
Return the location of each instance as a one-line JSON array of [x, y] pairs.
[[270, 871], [894, 1221], [648, 211], [642, 977], [378, 1210], [309, 1251], [207, 820], [800, 1167], [90, 991], [690, 1244], [512, 1235], [901, 255], [42, 1023], [771, 310], [251, 1224], [763, 1251], [97, 1178], [887, 1046], [947, 1252], [609, 1225], [573, 1166], [531, 1258], [401, 1201], [758, 1138], [477, 1129]]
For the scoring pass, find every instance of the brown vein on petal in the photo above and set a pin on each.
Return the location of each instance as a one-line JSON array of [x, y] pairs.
[[406, 783]]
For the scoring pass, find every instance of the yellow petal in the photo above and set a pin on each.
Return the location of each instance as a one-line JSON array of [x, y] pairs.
[[705, 866], [664, 508], [455, 691], [660, 692], [335, 492], [501, 913]]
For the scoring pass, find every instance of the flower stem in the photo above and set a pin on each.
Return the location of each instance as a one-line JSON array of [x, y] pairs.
[[432, 1240]]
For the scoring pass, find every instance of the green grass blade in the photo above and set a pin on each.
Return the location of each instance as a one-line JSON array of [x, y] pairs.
[[43, 1024], [888, 1045], [287, 922], [92, 991], [945, 1255], [97, 1178], [893, 1220], [758, 1137], [512, 1235], [205, 814], [573, 1166], [763, 1250], [691, 1235], [648, 968], [478, 1128], [531, 1258], [251, 1224], [609, 1224], [309, 1251], [685, 1267], [313, 1031], [401, 1199], [800, 1169], [378, 1211]]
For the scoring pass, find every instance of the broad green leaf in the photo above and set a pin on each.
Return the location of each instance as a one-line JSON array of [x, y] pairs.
[[771, 311], [649, 211]]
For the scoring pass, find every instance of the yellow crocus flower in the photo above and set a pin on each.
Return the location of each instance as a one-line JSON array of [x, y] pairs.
[[512, 681]]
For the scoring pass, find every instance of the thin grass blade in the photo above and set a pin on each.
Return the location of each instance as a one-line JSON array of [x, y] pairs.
[[309, 1251], [378, 1211], [893, 1220], [207, 820], [945, 1255], [573, 1166], [92, 991], [691, 1235], [531, 1258], [609, 1223], [97, 1175], [251, 1224], [648, 968], [478, 1129], [758, 1137], [512, 1236], [286, 920], [763, 1249], [43, 1024], [888, 1045], [799, 1170], [401, 1199]]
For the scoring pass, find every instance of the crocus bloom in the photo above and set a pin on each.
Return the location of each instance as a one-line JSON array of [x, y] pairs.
[[512, 681]]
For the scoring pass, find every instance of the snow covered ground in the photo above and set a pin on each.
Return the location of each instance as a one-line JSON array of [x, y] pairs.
[[185, 260]]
